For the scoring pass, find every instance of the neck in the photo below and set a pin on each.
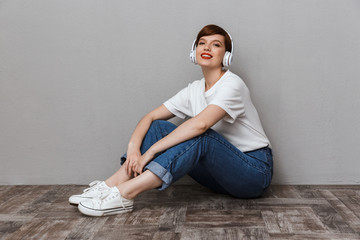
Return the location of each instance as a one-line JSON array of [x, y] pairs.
[[212, 75]]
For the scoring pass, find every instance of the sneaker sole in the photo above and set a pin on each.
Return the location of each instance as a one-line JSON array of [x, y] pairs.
[[75, 201], [99, 213]]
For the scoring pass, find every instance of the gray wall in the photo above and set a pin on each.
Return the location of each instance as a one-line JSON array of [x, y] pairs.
[[76, 76]]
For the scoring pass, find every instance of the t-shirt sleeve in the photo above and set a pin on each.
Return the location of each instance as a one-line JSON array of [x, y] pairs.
[[178, 104], [229, 98]]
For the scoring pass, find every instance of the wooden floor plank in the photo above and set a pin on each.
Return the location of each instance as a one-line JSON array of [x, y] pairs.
[[348, 215], [283, 191], [21, 197], [350, 198], [225, 233], [334, 222], [224, 218], [4, 191], [126, 232], [289, 220], [44, 229], [87, 228]]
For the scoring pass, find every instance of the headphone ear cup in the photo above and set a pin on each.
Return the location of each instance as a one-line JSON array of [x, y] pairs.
[[193, 56], [227, 59], [193, 53]]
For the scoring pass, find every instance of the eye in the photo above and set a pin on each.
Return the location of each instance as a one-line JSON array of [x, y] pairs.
[[217, 45], [201, 43]]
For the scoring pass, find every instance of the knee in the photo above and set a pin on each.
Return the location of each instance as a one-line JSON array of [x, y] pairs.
[[161, 126], [156, 124]]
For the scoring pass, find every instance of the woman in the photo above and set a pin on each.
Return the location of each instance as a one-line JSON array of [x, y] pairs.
[[222, 145]]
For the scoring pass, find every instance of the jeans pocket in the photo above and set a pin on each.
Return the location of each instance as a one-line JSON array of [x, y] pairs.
[[263, 158]]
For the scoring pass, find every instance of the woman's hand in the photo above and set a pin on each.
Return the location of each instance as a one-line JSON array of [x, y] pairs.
[[139, 165], [132, 159]]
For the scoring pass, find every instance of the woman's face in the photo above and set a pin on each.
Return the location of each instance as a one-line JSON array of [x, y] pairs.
[[210, 50]]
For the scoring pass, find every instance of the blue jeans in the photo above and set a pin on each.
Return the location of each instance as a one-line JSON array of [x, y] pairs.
[[211, 160]]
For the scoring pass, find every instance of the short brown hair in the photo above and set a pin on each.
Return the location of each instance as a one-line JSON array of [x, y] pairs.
[[212, 29]]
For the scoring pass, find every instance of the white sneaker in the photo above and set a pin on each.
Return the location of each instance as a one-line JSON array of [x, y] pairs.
[[107, 203], [96, 188]]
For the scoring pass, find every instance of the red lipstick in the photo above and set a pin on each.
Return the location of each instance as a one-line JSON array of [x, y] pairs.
[[206, 56]]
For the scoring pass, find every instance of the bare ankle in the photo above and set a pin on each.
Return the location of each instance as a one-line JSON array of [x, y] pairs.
[[125, 194], [109, 183]]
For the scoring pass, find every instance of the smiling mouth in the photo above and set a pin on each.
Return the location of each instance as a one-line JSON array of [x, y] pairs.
[[206, 56]]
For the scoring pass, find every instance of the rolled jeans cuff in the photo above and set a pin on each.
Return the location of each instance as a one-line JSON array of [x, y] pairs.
[[161, 172], [156, 169]]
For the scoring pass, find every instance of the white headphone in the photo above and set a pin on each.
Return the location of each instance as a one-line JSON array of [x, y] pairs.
[[228, 57]]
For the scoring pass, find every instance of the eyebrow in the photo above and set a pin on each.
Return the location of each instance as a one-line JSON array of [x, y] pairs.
[[211, 41]]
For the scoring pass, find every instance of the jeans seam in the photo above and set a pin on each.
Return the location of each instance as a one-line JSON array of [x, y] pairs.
[[162, 132], [229, 147], [183, 152]]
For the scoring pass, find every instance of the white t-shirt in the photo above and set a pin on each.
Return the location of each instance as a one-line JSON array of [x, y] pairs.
[[241, 127]]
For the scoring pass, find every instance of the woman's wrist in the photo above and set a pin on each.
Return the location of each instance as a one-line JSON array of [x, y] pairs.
[[151, 151]]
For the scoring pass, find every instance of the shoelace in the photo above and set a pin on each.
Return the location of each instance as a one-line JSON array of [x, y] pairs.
[[105, 194], [92, 185], [103, 197]]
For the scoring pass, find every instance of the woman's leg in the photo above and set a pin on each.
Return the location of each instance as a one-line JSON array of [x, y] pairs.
[[130, 187], [237, 173], [157, 130], [145, 181], [118, 177], [252, 170], [226, 168], [201, 175], [231, 170]]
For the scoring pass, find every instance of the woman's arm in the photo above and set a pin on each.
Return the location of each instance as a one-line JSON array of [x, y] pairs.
[[187, 130], [133, 151]]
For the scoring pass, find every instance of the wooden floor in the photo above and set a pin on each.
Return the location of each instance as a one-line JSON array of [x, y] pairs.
[[186, 211]]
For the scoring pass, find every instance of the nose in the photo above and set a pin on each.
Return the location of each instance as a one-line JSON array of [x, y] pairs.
[[206, 47]]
